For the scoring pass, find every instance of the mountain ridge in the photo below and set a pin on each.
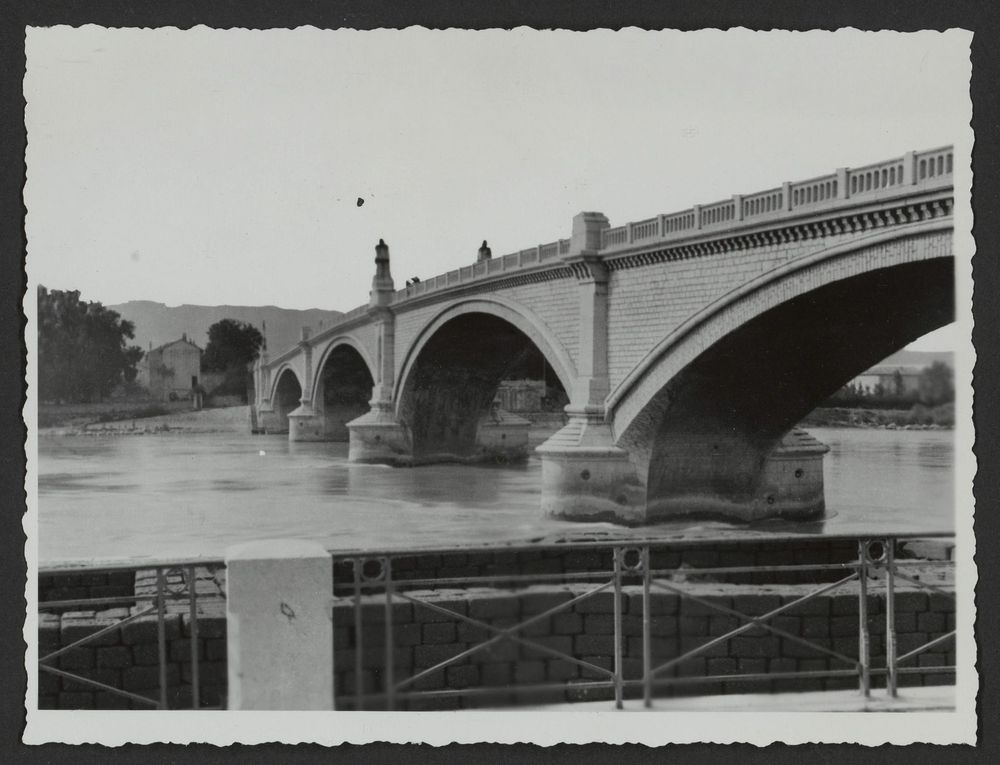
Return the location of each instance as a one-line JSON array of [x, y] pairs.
[[158, 323]]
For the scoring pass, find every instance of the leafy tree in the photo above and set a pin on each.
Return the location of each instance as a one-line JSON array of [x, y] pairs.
[[935, 384], [82, 350], [232, 345]]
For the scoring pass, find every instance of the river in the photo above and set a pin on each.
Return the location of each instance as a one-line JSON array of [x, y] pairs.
[[190, 496]]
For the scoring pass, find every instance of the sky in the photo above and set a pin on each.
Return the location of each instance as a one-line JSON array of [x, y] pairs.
[[226, 166]]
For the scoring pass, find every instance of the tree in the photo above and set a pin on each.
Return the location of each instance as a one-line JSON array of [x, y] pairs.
[[82, 350], [935, 384], [232, 345]]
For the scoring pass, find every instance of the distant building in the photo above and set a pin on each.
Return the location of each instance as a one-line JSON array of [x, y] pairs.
[[171, 371], [521, 395], [890, 380]]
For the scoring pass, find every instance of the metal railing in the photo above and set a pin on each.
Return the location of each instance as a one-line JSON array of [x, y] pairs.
[[373, 590], [174, 591], [370, 588]]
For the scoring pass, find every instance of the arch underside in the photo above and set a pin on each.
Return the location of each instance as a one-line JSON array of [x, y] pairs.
[[285, 399], [343, 390], [702, 440], [446, 402]]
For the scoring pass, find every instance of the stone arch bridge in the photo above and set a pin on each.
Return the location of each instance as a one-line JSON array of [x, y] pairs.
[[688, 344]]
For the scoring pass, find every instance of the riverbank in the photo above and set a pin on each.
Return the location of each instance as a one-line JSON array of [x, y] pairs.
[[231, 419], [918, 418]]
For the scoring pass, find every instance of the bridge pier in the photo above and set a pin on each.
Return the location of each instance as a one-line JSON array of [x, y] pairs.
[[378, 438], [305, 424], [586, 477], [268, 420], [739, 483], [501, 437]]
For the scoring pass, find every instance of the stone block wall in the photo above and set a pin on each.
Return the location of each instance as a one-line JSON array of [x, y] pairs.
[[128, 658], [78, 586]]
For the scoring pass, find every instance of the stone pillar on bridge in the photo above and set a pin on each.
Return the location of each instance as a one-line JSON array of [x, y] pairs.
[[267, 418], [377, 437], [585, 475], [305, 423]]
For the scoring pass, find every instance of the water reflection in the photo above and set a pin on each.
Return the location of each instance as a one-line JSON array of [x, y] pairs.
[[193, 495]]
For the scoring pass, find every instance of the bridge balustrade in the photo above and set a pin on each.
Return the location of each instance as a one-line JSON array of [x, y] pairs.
[[930, 166], [763, 203]]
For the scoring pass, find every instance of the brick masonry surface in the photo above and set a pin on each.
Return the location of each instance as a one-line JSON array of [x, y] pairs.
[[127, 657]]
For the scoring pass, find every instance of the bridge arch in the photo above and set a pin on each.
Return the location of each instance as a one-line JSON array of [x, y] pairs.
[[451, 371], [286, 394], [517, 315], [714, 397], [340, 342], [342, 385]]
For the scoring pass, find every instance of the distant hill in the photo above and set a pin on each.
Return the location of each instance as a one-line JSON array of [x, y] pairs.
[[157, 323], [918, 358]]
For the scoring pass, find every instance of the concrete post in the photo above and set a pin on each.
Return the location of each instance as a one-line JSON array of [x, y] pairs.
[[279, 626]]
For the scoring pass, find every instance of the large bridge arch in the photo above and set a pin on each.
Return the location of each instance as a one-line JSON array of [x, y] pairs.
[[700, 414], [341, 341], [522, 318], [450, 373]]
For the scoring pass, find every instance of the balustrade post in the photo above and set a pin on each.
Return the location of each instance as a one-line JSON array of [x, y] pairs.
[[786, 194], [909, 168], [697, 216], [737, 207], [843, 192]]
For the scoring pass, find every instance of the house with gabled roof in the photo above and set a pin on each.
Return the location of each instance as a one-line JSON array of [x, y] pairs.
[[171, 371]]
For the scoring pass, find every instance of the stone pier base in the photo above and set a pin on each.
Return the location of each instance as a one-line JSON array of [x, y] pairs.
[[502, 437], [377, 438], [269, 421], [586, 477], [304, 424]]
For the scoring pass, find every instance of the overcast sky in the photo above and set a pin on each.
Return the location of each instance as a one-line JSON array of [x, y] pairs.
[[215, 167]]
